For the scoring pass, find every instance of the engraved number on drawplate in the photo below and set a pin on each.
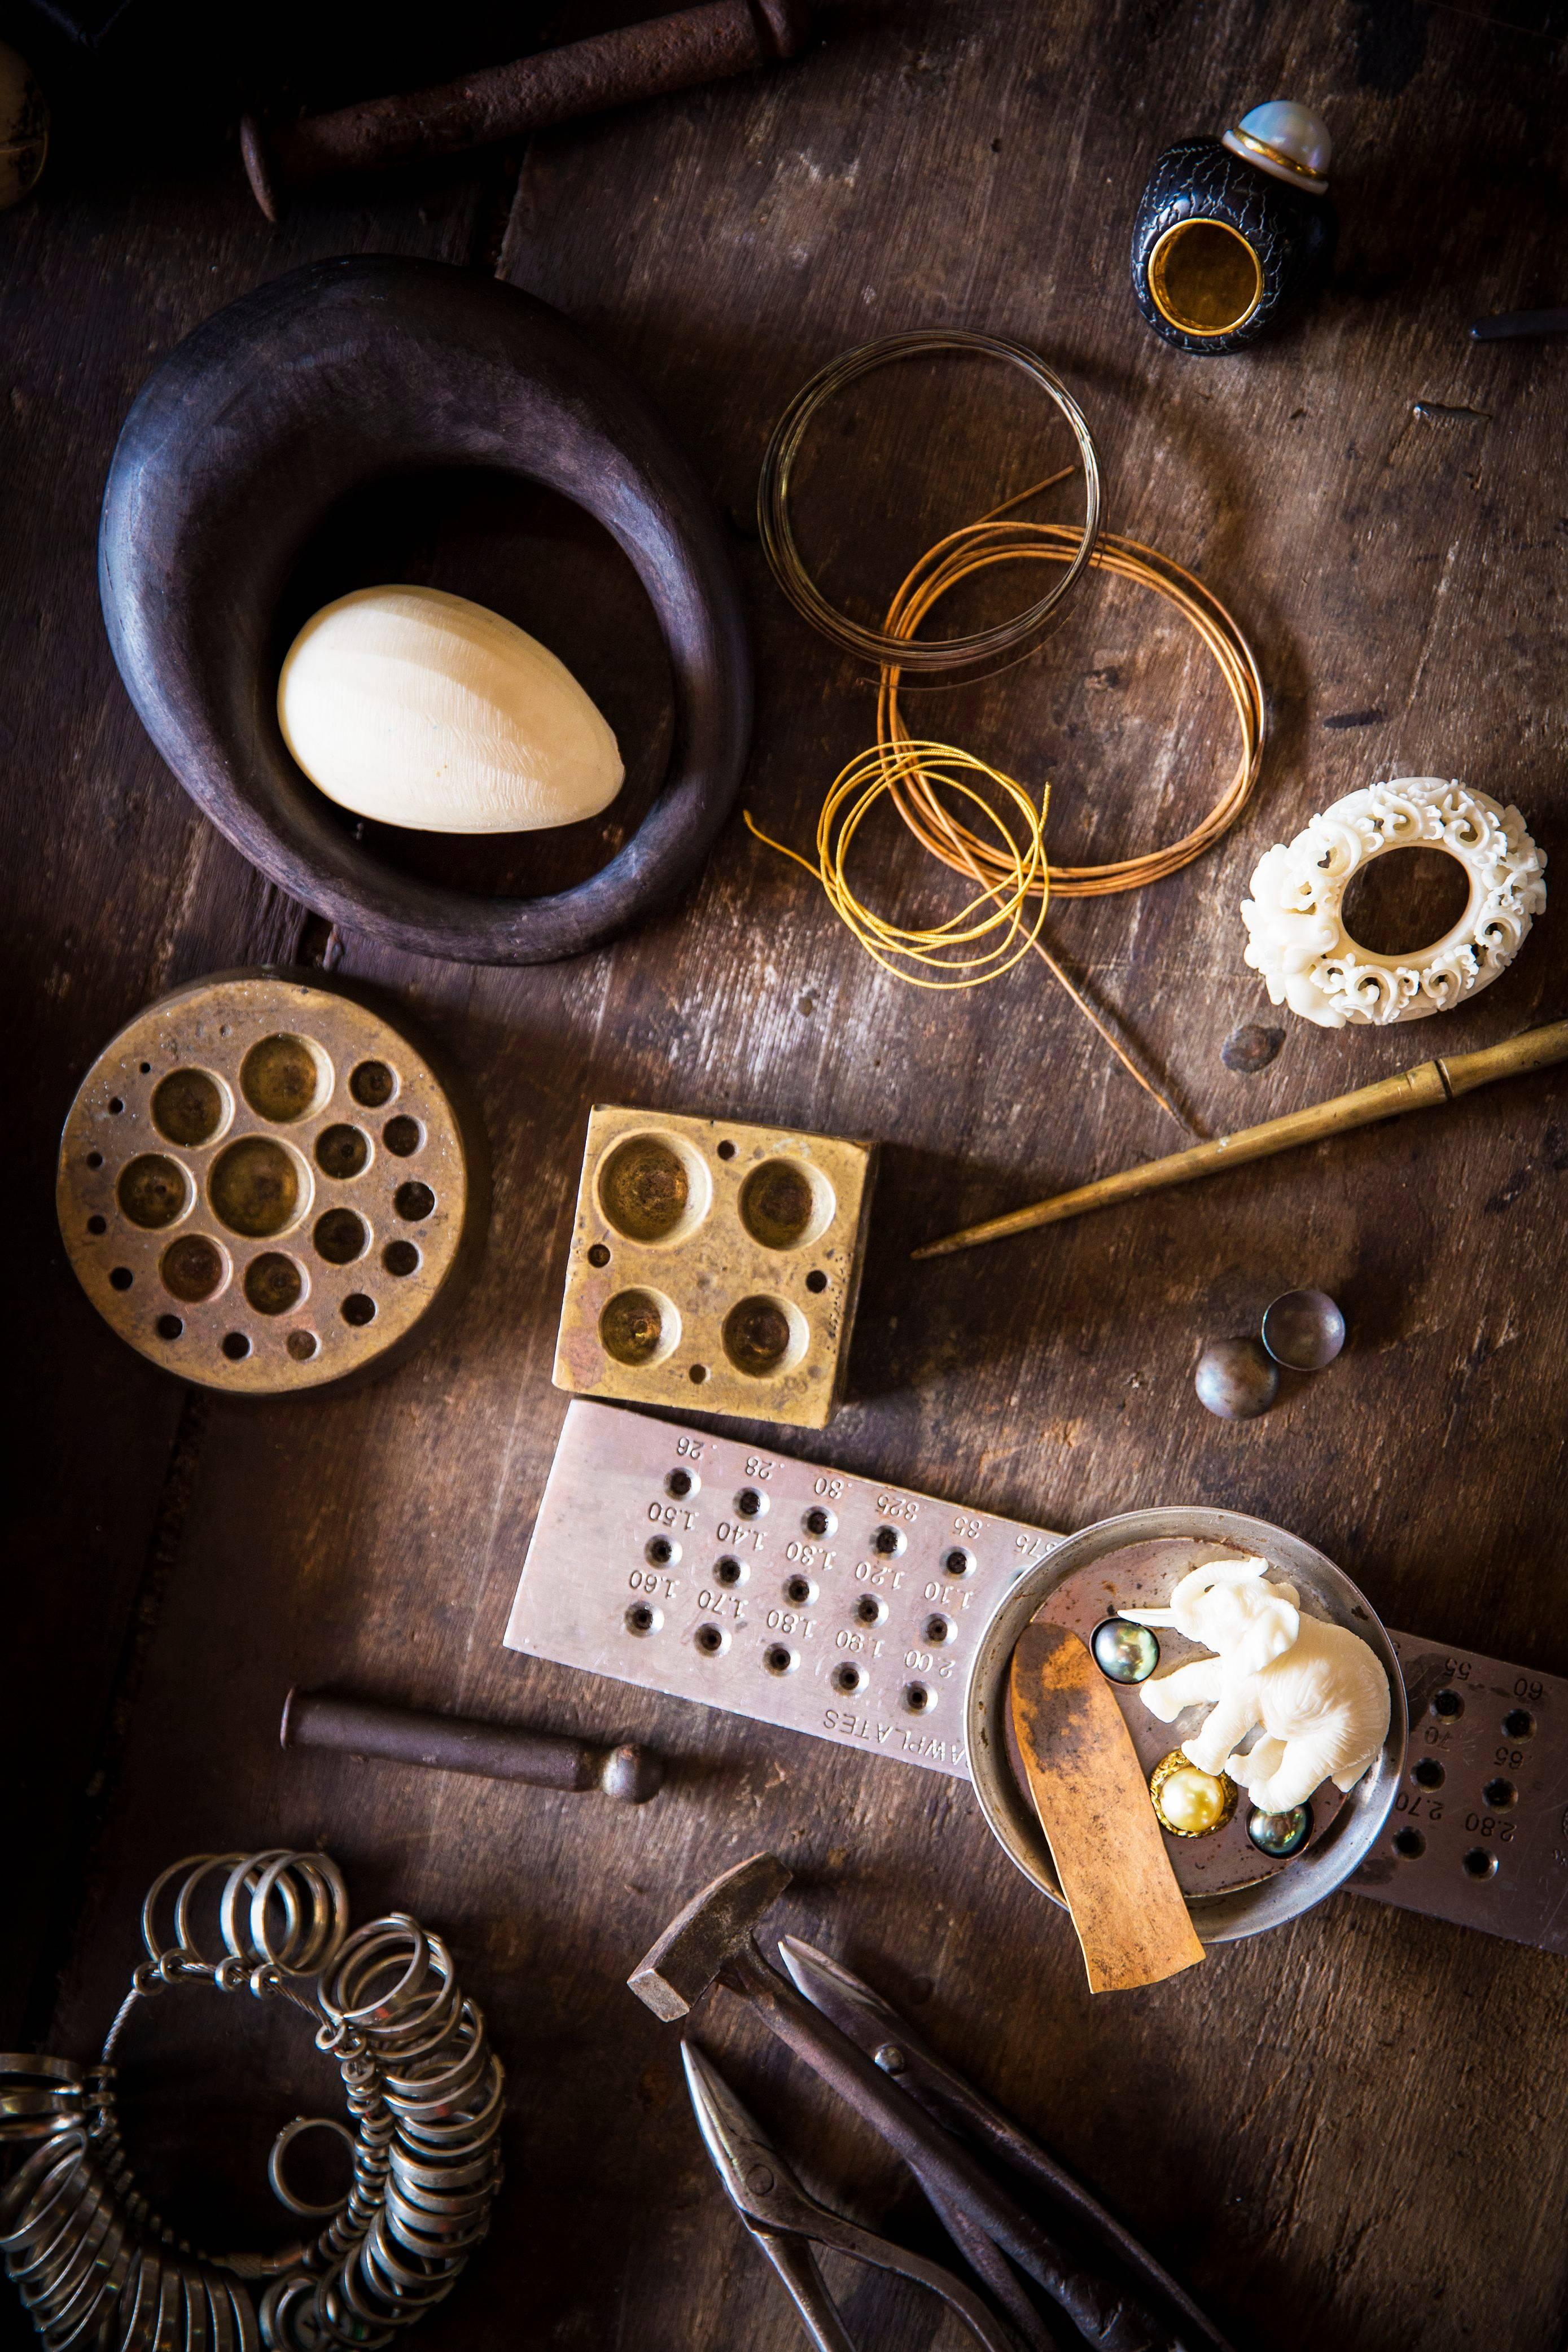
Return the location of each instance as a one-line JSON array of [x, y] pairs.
[[823, 1602]]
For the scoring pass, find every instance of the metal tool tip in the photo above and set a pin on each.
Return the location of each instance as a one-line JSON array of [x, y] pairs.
[[630, 1774]]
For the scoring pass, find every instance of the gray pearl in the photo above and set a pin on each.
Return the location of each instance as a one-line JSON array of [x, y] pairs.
[[1304, 1330], [1236, 1379], [1127, 1654], [1281, 1834]]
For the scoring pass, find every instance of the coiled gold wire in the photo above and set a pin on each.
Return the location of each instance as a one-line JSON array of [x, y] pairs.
[[994, 930], [992, 540]]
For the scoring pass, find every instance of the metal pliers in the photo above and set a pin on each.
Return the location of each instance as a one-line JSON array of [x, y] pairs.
[[788, 2225], [875, 2027]]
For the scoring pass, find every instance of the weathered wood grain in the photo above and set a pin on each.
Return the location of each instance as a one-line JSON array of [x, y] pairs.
[[1350, 2132]]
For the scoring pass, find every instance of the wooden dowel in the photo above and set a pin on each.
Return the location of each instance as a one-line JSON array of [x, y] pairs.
[[1429, 1082]]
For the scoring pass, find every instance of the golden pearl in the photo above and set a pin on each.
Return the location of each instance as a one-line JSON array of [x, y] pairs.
[[1187, 1802]]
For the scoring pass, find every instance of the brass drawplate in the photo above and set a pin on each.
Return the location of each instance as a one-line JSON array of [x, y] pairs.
[[1204, 278]]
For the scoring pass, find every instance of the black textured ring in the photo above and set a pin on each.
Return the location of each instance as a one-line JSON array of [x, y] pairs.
[[255, 425]]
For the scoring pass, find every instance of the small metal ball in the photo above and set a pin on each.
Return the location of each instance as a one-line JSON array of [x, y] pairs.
[[1127, 1654], [1281, 1834], [1304, 1330], [1235, 1380]]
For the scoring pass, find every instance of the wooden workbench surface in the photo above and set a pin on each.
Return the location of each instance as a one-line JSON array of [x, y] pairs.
[[1349, 2133]]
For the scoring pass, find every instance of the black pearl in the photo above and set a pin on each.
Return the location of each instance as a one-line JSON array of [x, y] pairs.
[[1281, 1834], [1127, 1654]]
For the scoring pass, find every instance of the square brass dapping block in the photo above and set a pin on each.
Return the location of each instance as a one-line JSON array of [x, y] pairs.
[[714, 1263]]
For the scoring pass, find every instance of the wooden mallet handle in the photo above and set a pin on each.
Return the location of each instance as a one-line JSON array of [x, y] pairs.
[[639, 62]]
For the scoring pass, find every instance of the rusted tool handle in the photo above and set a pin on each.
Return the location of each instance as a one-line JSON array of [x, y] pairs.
[[454, 1743], [647, 60]]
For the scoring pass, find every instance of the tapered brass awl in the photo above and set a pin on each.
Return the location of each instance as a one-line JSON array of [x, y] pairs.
[[1429, 1083]]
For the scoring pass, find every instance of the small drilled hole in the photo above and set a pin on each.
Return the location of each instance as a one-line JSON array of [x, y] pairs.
[[638, 1329], [698, 1373], [958, 1562], [301, 1346], [916, 1698], [678, 1483], [1428, 1773], [192, 1268], [816, 1280], [98, 1225], [188, 1107], [710, 1639], [340, 1237], [95, 1159], [848, 1679], [1519, 1723], [122, 1278], [115, 1105], [342, 1152], [598, 1255], [888, 1541], [799, 1591], [661, 1551], [284, 1076], [372, 1084], [870, 1611], [819, 1522], [726, 1152], [1479, 1863], [413, 1203], [1409, 1845], [1499, 1794], [152, 1191], [169, 1326], [1448, 1704], [777, 1659], [403, 1136], [273, 1283], [358, 1308], [938, 1630], [730, 1571], [400, 1258], [750, 1504], [145, 1068], [235, 1347], [642, 1619]]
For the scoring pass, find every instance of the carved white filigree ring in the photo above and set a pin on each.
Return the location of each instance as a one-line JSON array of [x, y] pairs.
[[1297, 937]]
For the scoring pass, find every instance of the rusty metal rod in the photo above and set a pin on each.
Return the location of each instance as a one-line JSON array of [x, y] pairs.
[[1429, 1083], [455, 1743], [639, 62]]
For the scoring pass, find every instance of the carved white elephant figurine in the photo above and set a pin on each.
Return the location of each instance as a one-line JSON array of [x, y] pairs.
[[1318, 1693]]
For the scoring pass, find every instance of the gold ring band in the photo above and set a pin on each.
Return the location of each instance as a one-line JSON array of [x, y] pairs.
[[1275, 159]]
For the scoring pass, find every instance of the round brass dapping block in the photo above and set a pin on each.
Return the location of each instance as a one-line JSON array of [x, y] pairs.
[[265, 1186]]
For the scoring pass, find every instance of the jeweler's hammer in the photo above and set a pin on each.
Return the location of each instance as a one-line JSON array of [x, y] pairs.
[[712, 1942]]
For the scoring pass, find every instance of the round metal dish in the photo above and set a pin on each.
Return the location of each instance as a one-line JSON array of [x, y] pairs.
[[1219, 1918]]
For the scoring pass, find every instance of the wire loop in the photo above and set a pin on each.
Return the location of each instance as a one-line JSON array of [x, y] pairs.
[[965, 947], [1005, 639]]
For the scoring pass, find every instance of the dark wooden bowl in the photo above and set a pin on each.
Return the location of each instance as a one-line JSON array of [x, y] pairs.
[[256, 426]]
